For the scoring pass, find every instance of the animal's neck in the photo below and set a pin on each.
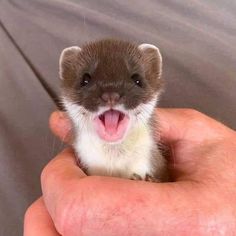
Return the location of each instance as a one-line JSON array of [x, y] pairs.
[[135, 138]]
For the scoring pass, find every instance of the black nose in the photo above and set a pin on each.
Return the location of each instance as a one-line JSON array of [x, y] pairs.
[[111, 98]]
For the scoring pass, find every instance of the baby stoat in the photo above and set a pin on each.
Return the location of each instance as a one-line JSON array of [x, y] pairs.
[[109, 90]]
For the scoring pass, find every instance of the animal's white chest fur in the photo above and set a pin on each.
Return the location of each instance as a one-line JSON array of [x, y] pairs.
[[131, 156]]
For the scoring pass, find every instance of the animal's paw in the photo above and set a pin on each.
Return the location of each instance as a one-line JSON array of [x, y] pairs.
[[136, 177], [150, 178], [147, 177]]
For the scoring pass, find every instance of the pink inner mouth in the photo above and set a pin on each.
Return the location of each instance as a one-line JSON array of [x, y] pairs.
[[111, 125]]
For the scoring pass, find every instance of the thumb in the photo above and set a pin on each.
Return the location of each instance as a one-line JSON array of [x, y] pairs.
[[187, 125]]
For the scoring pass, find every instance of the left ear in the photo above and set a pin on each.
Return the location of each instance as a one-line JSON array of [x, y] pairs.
[[152, 57]]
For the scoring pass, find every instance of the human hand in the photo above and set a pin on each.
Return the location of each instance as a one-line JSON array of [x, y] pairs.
[[200, 201]]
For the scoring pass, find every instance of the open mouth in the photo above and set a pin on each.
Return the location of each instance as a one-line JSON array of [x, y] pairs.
[[111, 125]]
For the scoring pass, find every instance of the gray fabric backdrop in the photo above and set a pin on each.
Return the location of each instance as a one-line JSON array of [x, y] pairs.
[[197, 40]]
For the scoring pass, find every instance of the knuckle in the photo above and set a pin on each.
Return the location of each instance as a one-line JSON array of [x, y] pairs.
[[76, 206], [207, 127], [44, 174], [49, 172], [192, 113], [74, 209], [196, 118], [64, 217], [30, 212]]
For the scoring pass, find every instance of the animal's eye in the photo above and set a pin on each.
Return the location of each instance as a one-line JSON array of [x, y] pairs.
[[85, 79], [137, 79]]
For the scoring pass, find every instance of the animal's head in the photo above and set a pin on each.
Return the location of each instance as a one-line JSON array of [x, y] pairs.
[[110, 86]]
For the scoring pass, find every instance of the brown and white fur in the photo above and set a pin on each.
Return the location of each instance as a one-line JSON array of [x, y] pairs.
[[131, 71]]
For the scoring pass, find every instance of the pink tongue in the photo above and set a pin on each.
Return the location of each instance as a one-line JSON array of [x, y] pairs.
[[111, 119], [110, 127]]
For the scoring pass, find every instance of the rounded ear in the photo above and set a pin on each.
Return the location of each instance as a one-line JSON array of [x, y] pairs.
[[67, 58], [152, 57]]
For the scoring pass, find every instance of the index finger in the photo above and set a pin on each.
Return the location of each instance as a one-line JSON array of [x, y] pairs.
[[78, 204]]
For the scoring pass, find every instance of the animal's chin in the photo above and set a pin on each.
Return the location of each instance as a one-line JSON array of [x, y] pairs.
[[111, 125]]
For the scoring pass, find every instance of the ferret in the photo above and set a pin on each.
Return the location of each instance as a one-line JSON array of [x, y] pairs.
[[109, 90]]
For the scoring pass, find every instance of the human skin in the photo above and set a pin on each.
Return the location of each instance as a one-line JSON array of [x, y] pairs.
[[201, 200]]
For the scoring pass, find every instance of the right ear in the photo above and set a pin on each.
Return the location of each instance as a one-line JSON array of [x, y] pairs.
[[67, 59]]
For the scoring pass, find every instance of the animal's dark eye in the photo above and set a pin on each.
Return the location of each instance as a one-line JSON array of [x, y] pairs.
[[137, 79], [85, 79]]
